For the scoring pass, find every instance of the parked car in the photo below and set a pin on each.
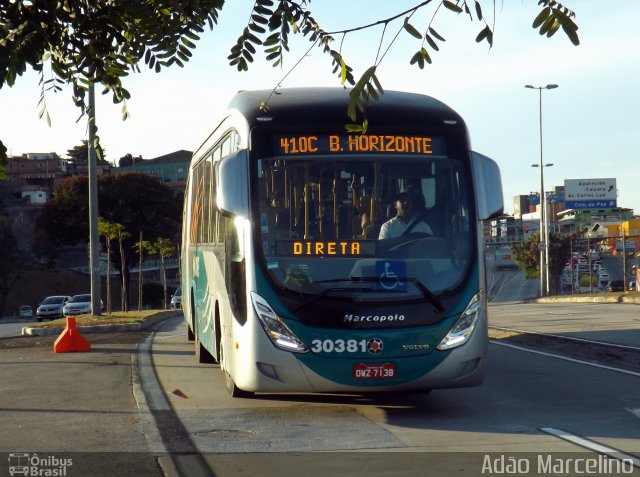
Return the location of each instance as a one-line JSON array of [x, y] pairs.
[[176, 299], [79, 304], [52, 307], [25, 311], [632, 286], [615, 286]]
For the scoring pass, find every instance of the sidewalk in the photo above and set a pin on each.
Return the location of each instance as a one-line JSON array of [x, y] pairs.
[[113, 327], [614, 322], [74, 405]]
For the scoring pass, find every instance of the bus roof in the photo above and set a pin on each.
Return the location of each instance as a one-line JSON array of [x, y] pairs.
[[329, 105]]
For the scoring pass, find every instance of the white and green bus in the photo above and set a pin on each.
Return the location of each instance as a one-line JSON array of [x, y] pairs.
[[288, 282]]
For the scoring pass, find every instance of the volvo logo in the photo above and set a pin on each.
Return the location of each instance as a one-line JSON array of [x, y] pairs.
[[375, 346], [415, 346]]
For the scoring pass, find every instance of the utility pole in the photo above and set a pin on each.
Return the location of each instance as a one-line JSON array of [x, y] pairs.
[[94, 238]]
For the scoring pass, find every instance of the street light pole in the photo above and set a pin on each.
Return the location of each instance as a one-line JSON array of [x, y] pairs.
[[544, 228]]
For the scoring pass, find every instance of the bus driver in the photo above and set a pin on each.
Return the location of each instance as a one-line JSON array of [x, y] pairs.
[[404, 222]]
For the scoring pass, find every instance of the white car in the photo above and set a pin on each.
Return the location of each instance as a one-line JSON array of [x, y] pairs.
[[25, 311], [504, 259], [176, 299], [78, 305]]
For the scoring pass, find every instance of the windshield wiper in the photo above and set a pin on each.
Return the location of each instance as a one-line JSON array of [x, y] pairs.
[[419, 285], [423, 289], [326, 291]]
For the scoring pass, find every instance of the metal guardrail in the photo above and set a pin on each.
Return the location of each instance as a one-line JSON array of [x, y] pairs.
[[147, 265]]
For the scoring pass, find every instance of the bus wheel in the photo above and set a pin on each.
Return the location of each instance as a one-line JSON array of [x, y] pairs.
[[232, 389]]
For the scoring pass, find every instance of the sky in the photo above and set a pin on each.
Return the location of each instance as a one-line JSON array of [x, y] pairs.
[[591, 125]]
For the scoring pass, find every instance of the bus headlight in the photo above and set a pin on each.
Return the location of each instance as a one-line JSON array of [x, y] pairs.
[[465, 325], [279, 333]]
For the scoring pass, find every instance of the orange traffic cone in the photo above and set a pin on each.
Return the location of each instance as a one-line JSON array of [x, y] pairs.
[[71, 340]]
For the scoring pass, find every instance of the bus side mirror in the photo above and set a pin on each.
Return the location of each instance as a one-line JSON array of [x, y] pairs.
[[488, 185], [232, 185]]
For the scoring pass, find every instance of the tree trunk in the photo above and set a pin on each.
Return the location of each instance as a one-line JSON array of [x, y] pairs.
[[125, 298], [164, 282], [108, 274], [140, 274]]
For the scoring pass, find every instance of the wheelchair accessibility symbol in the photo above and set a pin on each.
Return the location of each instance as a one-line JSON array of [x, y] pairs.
[[392, 275]]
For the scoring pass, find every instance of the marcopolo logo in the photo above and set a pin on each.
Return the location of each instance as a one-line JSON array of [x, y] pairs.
[[34, 465], [381, 319]]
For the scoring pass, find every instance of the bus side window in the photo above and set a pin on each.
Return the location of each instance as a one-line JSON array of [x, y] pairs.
[[235, 277]]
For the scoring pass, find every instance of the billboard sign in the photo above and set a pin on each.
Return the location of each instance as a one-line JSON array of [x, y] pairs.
[[590, 193]]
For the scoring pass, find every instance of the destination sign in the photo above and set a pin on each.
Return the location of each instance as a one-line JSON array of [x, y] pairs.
[[328, 248], [357, 144]]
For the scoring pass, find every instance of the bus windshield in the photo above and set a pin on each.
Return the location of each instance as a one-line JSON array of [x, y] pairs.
[[365, 227]]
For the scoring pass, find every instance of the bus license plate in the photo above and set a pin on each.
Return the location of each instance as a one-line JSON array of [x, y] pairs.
[[374, 371]]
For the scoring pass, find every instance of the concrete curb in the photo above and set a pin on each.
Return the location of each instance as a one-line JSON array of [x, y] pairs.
[[149, 321], [633, 300]]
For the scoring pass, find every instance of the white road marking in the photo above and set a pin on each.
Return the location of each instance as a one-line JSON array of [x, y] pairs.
[[570, 338], [592, 445], [573, 360]]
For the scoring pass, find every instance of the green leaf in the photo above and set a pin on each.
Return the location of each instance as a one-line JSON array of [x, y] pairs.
[[263, 11], [542, 16], [354, 128], [573, 36], [425, 55], [452, 6], [185, 41], [487, 34], [372, 92], [432, 42], [364, 79], [555, 26], [411, 29], [478, 10], [260, 19], [273, 56], [351, 109], [272, 39], [250, 47], [436, 34], [569, 27], [546, 25], [343, 71], [251, 37], [377, 83], [257, 28]]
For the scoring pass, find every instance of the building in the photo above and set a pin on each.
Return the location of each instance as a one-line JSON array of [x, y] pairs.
[[31, 179], [171, 169]]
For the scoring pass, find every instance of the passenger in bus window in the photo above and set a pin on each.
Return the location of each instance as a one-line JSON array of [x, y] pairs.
[[405, 221], [279, 218]]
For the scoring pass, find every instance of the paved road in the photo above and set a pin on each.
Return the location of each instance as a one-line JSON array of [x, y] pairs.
[[617, 323], [13, 327], [83, 405], [524, 396]]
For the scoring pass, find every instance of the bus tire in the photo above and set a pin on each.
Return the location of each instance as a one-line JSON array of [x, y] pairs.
[[191, 326], [202, 355], [233, 390]]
